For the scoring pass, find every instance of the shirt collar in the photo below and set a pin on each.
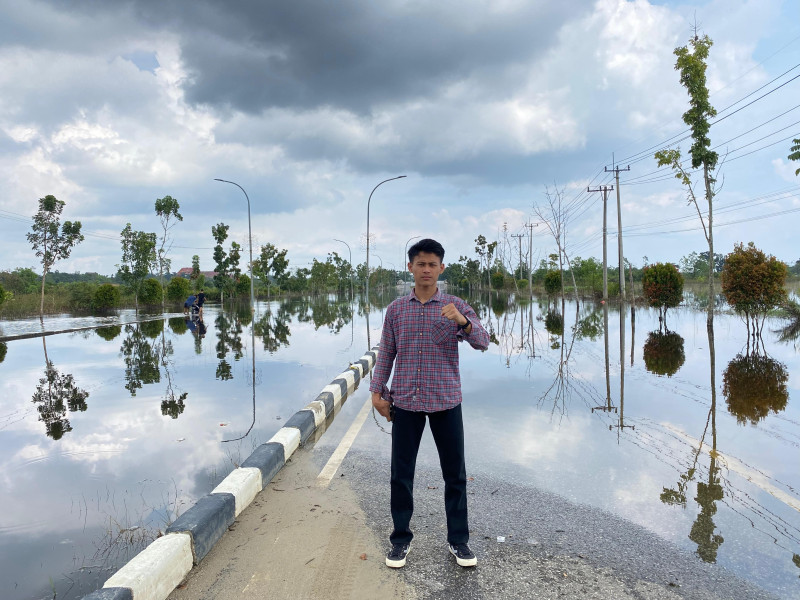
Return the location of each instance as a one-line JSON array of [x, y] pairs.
[[437, 296]]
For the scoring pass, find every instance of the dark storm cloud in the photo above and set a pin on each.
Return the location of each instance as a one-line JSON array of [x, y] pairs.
[[348, 54]]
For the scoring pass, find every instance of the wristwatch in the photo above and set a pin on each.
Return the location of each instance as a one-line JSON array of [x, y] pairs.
[[465, 325]]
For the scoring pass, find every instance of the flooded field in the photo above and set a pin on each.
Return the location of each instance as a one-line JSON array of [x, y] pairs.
[[108, 434]]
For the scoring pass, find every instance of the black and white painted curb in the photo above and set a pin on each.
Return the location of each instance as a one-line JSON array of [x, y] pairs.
[[158, 569]]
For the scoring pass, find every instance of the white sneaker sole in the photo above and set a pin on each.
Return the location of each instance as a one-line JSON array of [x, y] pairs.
[[396, 564], [464, 562]]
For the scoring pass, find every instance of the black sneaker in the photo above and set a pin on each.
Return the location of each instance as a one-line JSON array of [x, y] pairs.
[[464, 556], [397, 555]]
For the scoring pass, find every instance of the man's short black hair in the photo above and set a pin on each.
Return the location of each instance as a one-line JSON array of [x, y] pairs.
[[426, 245]]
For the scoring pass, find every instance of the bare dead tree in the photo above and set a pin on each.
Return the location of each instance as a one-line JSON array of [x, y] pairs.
[[554, 216]]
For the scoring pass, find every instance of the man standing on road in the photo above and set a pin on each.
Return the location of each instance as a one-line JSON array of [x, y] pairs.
[[420, 337]]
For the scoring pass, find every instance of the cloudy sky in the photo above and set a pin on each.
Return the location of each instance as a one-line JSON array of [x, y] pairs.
[[309, 104]]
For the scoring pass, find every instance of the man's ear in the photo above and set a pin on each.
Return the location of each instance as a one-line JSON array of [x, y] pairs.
[[441, 268]]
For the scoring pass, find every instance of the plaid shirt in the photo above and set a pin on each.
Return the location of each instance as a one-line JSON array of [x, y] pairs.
[[425, 344]]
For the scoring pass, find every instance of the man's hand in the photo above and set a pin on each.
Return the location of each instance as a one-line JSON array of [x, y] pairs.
[[381, 405], [451, 312]]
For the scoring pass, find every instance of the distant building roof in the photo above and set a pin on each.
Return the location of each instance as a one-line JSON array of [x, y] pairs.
[[186, 273]]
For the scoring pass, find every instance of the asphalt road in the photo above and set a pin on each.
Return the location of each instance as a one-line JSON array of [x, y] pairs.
[[301, 540]]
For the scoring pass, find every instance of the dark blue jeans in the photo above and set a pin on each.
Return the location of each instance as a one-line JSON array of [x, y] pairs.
[[447, 428]]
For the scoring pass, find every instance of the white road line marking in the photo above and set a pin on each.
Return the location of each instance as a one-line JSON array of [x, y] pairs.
[[335, 461], [737, 466]]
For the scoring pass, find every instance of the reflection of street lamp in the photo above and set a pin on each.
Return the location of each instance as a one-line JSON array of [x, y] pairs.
[[368, 202], [405, 254], [250, 237], [351, 263], [380, 259]]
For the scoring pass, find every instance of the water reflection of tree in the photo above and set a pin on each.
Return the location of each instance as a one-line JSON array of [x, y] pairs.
[[703, 531], [663, 353], [590, 327], [273, 328], [753, 385], [178, 325], [323, 312], [109, 333], [140, 356], [55, 394], [172, 404], [791, 331], [229, 340]]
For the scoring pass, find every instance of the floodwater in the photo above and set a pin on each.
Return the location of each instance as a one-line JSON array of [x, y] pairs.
[[132, 422]]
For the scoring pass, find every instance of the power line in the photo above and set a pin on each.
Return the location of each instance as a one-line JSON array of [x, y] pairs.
[[666, 143]]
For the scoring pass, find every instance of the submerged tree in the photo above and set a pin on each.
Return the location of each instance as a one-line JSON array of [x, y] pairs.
[[138, 257], [662, 285], [753, 284], [50, 243], [221, 259], [271, 264], [167, 209], [691, 63]]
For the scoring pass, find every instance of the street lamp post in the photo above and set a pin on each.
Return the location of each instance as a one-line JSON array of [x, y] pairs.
[[368, 202], [405, 255], [351, 263], [250, 239]]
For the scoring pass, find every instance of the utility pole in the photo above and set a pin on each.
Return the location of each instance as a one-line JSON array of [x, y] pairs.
[[605, 189], [616, 171], [530, 227], [519, 237]]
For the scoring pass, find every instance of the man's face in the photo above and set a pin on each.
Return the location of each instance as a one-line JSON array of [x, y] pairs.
[[426, 269]]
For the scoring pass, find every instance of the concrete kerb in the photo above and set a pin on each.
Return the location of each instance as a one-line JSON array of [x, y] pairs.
[[155, 572]]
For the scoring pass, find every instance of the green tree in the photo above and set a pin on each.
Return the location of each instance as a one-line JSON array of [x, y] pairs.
[[138, 257], [271, 263], [196, 274], [2, 295], [243, 285], [106, 296], [471, 271], [152, 293], [50, 243], [221, 260], [20, 281], [323, 276], [663, 288], [485, 251], [795, 155], [178, 289], [552, 282], [753, 284], [167, 209], [691, 63]]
